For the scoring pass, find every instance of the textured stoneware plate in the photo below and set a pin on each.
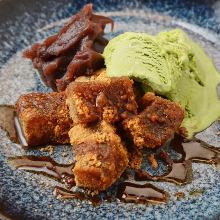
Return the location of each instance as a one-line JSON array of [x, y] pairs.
[[25, 195]]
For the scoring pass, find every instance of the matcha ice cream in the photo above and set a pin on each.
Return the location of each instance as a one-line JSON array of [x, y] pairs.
[[171, 65]]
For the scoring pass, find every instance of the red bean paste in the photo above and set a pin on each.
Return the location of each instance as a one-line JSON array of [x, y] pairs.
[[73, 52]]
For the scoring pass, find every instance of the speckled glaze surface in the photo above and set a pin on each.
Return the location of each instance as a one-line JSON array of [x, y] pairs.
[[25, 195]]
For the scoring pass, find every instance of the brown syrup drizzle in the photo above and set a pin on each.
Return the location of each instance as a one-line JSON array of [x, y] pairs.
[[180, 171], [62, 193], [60, 172], [196, 151], [7, 121], [10, 123], [46, 166], [139, 193]]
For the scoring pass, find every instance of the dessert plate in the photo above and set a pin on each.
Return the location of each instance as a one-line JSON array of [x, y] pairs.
[[26, 195]]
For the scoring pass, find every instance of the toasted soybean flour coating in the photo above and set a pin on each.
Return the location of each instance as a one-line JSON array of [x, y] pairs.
[[172, 65]]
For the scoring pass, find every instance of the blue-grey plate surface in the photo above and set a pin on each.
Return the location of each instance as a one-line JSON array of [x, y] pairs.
[[25, 195]]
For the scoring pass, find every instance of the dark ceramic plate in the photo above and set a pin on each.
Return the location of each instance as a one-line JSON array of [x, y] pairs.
[[25, 195]]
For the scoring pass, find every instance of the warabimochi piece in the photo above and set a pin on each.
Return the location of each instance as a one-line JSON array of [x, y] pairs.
[[109, 99], [156, 124], [100, 156], [44, 118]]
